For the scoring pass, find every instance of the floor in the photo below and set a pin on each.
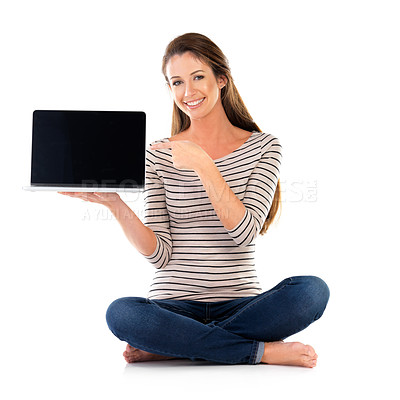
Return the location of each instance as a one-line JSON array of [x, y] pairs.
[[95, 369]]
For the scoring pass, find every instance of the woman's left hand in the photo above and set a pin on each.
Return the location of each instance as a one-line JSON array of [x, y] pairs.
[[185, 154]]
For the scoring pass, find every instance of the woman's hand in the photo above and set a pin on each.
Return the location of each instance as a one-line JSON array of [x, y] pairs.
[[185, 154], [104, 198]]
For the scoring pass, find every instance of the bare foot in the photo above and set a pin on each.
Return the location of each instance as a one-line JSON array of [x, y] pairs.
[[131, 355], [294, 353]]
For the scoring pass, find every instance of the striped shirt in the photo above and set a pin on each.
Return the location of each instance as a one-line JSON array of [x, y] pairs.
[[196, 257]]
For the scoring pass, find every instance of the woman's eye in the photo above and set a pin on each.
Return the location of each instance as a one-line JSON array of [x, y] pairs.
[[197, 77]]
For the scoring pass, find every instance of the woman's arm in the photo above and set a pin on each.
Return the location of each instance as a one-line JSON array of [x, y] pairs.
[[138, 234], [229, 209], [243, 219], [257, 200], [156, 214]]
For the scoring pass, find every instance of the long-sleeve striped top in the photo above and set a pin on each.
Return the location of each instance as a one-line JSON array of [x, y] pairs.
[[196, 257]]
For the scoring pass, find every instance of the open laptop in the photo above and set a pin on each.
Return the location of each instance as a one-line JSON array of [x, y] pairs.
[[88, 151]]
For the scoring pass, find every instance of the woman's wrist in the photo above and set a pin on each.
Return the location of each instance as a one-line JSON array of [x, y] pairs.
[[205, 165], [115, 204]]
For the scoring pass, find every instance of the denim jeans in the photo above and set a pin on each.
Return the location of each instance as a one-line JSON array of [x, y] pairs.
[[227, 332]]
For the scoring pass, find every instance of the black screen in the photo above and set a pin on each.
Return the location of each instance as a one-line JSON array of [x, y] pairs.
[[88, 148]]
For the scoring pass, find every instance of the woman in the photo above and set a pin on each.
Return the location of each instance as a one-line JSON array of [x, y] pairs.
[[210, 189]]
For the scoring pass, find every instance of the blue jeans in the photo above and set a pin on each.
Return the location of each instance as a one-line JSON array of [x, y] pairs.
[[227, 332]]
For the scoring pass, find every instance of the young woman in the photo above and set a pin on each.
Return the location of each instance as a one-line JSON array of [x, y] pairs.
[[211, 188]]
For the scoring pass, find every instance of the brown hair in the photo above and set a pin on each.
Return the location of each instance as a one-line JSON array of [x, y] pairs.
[[209, 53]]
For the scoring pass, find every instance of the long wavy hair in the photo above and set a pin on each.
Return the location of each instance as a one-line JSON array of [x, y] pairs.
[[209, 53]]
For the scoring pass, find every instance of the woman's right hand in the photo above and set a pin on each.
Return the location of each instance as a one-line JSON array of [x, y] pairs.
[[105, 198]]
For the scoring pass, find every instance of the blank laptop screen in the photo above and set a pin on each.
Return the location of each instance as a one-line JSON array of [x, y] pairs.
[[104, 149]]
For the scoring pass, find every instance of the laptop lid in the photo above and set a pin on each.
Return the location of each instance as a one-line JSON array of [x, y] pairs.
[[88, 150]]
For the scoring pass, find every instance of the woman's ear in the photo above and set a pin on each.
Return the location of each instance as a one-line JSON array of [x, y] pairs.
[[222, 81]]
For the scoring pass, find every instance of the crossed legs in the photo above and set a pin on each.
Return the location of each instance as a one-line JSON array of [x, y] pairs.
[[250, 332]]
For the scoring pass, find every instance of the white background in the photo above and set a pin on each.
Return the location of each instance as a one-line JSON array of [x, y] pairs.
[[322, 76]]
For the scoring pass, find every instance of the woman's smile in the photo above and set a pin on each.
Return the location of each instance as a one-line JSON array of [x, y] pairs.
[[194, 104]]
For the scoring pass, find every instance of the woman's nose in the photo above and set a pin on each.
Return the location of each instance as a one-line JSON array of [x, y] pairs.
[[189, 89]]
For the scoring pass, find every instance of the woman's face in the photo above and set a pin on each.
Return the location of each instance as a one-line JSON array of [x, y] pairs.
[[193, 85]]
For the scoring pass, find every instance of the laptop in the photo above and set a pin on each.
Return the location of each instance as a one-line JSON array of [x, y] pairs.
[[88, 151]]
